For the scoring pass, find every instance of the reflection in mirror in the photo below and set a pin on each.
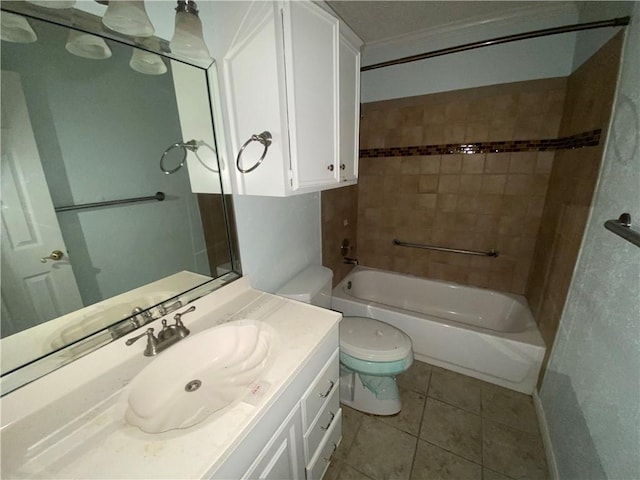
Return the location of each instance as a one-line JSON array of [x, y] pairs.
[[94, 232]]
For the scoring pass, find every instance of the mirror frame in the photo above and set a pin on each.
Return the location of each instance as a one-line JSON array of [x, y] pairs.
[[88, 23]]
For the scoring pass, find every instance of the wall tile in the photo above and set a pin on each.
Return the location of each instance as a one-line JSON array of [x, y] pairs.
[[428, 183], [497, 163], [473, 163], [475, 201], [430, 164], [570, 187]]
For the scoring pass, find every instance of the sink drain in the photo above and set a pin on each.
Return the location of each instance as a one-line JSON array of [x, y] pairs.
[[193, 385]]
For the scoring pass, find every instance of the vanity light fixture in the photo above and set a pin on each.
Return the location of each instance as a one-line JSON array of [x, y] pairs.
[[187, 38], [128, 17], [15, 28], [146, 62], [86, 45]]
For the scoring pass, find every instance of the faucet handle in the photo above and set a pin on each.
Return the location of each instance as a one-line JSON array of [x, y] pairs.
[[181, 330], [152, 342]]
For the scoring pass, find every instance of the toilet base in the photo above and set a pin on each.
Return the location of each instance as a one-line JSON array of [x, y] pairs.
[[354, 394]]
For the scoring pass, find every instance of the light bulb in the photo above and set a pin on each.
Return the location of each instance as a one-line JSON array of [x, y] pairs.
[[16, 29], [147, 62], [187, 38], [87, 46], [128, 17]]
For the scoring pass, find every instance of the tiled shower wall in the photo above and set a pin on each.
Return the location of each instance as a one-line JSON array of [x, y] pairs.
[[590, 93], [468, 201], [339, 222]]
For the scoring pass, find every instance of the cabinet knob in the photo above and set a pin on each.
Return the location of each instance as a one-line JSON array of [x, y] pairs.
[[343, 166], [330, 168]]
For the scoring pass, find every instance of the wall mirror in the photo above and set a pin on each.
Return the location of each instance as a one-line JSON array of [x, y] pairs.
[[97, 238]]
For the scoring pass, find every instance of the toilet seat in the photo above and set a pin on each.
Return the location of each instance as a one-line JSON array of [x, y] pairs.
[[372, 340]]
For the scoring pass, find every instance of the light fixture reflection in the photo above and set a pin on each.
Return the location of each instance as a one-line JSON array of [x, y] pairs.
[[15, 28], [187, 38], [57, 4], [128, 17], [147, 62], [87, 46]]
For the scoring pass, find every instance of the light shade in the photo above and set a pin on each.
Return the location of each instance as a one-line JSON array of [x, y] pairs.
[[57, 4], [15, 28], [147, 62], [187, 38], [87, 46], [128, 17]]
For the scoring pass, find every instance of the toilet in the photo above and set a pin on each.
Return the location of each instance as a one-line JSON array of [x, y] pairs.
[[372, 353]]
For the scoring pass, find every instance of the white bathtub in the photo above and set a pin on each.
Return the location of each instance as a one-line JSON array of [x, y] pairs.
[[488, 335]]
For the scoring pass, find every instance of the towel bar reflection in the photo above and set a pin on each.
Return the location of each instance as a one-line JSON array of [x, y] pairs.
[[622, 227], [159, 196], [490, 253]]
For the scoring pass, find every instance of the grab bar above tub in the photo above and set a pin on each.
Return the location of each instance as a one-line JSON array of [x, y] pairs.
[[490, 253], [622, 227]]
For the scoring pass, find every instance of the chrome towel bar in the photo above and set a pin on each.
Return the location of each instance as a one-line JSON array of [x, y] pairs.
[[158, 196], [490, 253], [622, 227]]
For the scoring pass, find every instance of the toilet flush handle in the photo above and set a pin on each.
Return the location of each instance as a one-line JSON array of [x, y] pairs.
[[326, 394]]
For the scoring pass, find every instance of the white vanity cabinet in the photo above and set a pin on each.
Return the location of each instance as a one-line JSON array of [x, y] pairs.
[[298, 435], [293, 70]]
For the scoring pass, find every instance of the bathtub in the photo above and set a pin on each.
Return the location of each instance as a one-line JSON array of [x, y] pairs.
[[488, 335]]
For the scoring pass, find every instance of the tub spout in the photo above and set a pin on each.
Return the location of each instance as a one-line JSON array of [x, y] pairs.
[[350, 261]]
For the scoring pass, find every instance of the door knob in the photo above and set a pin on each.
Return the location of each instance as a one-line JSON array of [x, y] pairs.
[[55, 255]]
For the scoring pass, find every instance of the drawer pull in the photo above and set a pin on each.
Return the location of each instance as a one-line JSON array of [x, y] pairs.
[[335, 447], [333, 415], [326, 394]]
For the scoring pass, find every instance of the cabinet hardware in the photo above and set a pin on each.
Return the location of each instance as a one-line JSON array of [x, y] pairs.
[[326, 394], [335, 447], [333, 415], [330, 168]]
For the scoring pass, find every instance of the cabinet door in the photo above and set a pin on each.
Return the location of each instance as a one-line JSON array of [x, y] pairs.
[[311, 42], [283, 457], [349, 110]]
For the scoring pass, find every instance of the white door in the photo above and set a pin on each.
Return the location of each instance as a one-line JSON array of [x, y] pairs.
[[32, 291]]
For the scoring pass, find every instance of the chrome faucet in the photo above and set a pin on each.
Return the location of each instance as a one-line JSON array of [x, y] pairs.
[[145, 314], [169, 335]]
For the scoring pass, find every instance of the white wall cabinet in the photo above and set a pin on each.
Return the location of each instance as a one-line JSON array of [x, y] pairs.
[[293, 69]]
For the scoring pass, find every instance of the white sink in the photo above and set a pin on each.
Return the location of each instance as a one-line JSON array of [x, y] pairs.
[[198, 376]]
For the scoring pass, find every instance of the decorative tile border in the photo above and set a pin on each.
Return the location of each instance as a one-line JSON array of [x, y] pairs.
[[585, 139]]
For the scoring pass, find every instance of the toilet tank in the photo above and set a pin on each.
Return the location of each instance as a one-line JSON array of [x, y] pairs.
[[311, 285]]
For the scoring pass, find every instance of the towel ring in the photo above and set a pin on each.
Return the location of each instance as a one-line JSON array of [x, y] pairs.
[[190, 145], [265, 139]]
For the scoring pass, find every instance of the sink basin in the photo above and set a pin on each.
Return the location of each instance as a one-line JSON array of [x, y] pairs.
[[198, 376]]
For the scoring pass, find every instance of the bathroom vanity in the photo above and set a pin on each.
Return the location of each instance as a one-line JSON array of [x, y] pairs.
[[286, 424]]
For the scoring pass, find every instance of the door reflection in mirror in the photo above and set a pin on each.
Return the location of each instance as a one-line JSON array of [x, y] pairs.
[[76, 131]]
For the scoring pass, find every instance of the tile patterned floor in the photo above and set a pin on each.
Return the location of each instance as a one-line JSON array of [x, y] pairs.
[[451, 427]]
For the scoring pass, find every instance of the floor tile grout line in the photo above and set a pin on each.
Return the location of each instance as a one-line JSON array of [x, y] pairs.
[[451, 452], [424, 406]]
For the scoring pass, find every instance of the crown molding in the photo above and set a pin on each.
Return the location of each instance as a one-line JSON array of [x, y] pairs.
[[524, 14]]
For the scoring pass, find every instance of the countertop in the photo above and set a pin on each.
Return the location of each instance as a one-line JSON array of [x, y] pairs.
[[70, 423]]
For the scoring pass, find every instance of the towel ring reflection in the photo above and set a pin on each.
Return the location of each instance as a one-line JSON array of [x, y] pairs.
[[190, 145], [265, 139]]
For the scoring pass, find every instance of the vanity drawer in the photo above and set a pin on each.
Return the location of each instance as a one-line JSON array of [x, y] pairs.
[[323, 386], [323, 457], [323, 424]]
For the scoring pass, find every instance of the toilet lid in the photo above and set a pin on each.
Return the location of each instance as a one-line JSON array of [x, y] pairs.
[[369, 339]]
